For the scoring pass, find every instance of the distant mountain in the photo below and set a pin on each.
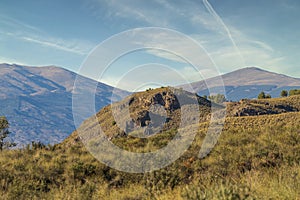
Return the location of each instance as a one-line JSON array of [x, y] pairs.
[[248, 83], [37, 101]]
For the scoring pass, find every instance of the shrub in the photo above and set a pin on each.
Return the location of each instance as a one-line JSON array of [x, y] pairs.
[[284, 93], [219, 98], [261, 95], [294, 92]]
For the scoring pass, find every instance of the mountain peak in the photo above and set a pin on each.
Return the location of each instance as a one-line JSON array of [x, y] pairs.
[[248, 82], [253, 68], [249, 69], [37, 101]]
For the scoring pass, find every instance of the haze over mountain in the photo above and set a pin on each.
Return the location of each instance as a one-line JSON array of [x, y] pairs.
[[37, 101], [248, 83]]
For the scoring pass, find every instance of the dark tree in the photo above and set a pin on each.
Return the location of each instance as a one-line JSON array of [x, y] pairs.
[[4, 125], [261, 95], [284, 93]]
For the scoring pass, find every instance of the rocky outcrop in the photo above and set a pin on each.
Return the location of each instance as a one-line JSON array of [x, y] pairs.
[[152, 111], [259, 107]]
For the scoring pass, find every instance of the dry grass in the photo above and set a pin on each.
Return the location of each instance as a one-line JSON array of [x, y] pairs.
[[256, 157]]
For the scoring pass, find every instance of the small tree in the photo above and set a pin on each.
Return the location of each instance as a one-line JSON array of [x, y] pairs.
[[284, 93], [268, 96], [4, 125], [219, 98], [261, 95]]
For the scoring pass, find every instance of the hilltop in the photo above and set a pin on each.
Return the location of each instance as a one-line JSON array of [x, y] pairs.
[[145, 113]]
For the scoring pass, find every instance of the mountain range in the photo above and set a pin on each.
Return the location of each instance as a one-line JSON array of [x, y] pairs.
[[37, 101], [247, 83]]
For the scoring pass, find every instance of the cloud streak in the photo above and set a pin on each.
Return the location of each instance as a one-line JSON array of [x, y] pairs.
[[72, 47], [218, 18], [226, 45], [13, 23], [22, 31]]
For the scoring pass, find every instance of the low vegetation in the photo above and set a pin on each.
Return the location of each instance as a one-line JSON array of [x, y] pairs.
[[262, 95], [218, 98], [294, 92], [256, 157]]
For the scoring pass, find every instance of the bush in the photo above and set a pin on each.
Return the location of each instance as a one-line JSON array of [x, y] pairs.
[[284, 93], [294, 92], [219, 98], [261, 95]]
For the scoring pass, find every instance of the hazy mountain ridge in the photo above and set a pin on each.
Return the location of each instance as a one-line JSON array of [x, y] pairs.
[[38, 101], [248, 83]]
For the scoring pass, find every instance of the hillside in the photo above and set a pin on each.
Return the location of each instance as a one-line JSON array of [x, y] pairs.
[[248, 83], [134, 116], [148, 112], [256, 107], [37, 101], [256, 157]]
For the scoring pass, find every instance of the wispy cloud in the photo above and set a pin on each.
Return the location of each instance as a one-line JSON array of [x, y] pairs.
[[76, 47], [220, 21], [217, 38], [224, 44], [31, 34], [13, 23]]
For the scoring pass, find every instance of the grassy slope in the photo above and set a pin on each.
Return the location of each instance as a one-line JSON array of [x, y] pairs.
[[255, 157]]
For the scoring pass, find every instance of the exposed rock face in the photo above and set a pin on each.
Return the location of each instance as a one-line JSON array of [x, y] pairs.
[[262, 107], [146, 113], [164, 99]]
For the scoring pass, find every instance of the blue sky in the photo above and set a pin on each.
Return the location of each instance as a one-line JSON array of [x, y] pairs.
[[234, 34]]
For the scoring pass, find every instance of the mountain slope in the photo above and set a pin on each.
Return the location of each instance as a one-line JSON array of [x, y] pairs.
[[116, 124], [37, 101], [265, 146], [248, 83]]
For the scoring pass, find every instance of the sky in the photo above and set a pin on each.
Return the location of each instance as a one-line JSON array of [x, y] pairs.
[[229, 35]]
